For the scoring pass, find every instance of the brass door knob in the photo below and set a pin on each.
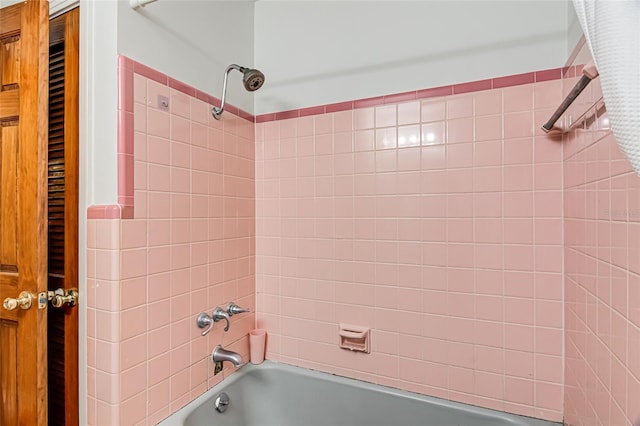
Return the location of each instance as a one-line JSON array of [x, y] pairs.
[[62, 297], [23, 301]]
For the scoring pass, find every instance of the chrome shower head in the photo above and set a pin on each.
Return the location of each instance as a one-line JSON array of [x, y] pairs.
[[252, 80]]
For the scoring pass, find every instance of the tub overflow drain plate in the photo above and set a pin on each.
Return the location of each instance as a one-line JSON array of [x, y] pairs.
[[222, 402]]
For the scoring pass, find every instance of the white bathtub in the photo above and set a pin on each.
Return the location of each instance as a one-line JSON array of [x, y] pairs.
[[273, 394]]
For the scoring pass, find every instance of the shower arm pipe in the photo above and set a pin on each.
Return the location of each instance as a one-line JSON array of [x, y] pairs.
[[589, 72], [136, 4], [217, 111]]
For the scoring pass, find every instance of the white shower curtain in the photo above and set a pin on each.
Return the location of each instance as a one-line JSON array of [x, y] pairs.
[[612, 32]]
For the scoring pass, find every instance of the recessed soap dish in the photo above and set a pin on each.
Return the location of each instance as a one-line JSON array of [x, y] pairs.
[[355, 338]]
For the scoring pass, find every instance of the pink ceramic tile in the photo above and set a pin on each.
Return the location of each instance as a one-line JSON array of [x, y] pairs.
[[513, 80], [408, 113], [433, 110], [134, 409], [125, 130], [159, 177], [548, 341], [199, 110], [487, 179], [548, 176], [263, 118], [548, 94], [139, 89], [548, 231], [547, 150], [248, 117], [199, 135], [433, 133], [106, 412], [107, 357], [179, 103], [460, 130], [408, 136], [158, 150], [519, 311], [125, 89], [518, 98], [343, 121], [489, 256], [435, 92], [459, 181], [386, 116], [409, 159], [548, 203], [518, 231], [487, 230], [340, 106], [473, 86], [158, 123], [488, 102], [518, 124], [518, 178], [488, 127], [133, 381], [368, 102], [107, 235], [459, 107], [180, 129], [400, 97], [158, 205], [518, 151], [283, 115], [487, 153], [386, 138], [363, 118], [459, 205], [459, 155], [550, 74], [150, 73]]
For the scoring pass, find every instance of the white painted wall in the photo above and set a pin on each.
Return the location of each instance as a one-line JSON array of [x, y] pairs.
[[192, 41], [320, 52], [574, 31], [99, 98]]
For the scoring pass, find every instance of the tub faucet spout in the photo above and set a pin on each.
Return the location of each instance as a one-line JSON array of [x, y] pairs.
[[220, 354]]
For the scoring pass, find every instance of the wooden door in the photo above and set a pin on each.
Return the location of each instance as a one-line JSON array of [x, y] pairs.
[[24, 64], [63, 216]]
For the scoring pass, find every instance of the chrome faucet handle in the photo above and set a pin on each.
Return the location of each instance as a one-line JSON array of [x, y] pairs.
[[233, 309], [203, 320], [219, 314]]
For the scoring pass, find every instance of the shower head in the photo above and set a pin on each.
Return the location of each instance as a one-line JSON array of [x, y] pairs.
[[252, 80]]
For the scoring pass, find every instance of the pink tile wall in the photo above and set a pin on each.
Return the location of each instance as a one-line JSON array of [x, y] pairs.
[[437, 223], [602, 269], [187, 247]]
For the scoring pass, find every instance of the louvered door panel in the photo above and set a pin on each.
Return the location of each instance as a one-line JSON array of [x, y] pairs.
[[62, 217], [56, 231]]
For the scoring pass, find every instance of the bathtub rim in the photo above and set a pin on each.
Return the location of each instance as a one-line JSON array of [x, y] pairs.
[[179, 417]]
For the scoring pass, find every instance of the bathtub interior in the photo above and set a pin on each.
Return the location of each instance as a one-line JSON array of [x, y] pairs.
[[281, 395]]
